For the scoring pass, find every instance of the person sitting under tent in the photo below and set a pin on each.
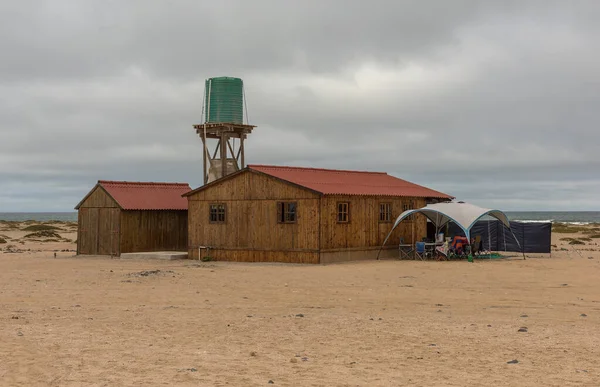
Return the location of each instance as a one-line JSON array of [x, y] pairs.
[[458, 245]]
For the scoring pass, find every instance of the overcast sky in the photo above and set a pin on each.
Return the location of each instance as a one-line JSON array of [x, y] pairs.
[[494, 102]]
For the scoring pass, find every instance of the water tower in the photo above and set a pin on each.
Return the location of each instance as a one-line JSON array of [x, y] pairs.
[[223, 114]]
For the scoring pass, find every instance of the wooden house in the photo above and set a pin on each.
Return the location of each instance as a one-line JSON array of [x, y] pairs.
[[302, 215], [118, 217]]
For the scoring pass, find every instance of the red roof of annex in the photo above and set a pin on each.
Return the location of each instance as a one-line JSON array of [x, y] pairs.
[[342, 182], [132, 195]]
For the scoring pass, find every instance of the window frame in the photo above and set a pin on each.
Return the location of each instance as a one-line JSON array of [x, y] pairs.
[[283, 211], [408, 206], [387, 212], [210, 213], [338, 212]]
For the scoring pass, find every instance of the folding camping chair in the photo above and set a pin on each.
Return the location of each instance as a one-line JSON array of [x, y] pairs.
[[406, 250], [420, 251], [441, 252]]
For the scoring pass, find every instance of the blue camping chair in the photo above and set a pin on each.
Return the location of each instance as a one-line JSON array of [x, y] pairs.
[[420, 250]]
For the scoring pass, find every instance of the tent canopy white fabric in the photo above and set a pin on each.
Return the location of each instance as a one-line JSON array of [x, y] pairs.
[[463, 214]]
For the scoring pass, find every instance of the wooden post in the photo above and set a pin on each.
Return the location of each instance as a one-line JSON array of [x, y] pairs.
[[204, 158], [242, 164], [217, 149], [223, 155], [233, 154]]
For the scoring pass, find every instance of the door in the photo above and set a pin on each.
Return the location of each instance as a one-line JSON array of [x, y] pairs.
[[108, 231], [87, 240]]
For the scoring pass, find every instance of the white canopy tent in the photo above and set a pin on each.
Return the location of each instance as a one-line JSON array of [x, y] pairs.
[[463, 214]]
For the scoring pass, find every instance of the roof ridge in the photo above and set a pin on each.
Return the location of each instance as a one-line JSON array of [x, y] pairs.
[[154, 183], [313, 169], [366, 184]]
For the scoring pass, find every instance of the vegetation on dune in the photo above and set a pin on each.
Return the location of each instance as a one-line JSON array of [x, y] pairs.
[[593, 230], [43, 234], [61, 223], [40, 227], [574, 229], [567, 228], [9, 225], [577, 241], [595, 236], [46, 236], [2, 241], [32, 225]]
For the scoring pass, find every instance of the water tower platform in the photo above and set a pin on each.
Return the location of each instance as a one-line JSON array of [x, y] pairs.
[[217, 130]]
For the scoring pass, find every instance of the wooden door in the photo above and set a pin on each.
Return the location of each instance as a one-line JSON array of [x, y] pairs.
[[87, 239], [108, 231]]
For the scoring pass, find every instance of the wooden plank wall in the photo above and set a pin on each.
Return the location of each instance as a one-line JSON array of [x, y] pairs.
[[262, 256], [251, 232], [80, 233], [87, 230], [99, 199], [98, 218], [144, 231], [108, 231], [364, 228]]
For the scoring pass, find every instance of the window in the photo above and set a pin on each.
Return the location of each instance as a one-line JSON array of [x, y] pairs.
[[385, 212], [408, 206], [343, 213], [286, 212], [217, 213]]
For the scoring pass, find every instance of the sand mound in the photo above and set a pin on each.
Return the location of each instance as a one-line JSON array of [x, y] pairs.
[[41, 227]]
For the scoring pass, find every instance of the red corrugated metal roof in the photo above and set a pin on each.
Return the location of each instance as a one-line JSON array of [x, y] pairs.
[[341, 182], [146, 195]]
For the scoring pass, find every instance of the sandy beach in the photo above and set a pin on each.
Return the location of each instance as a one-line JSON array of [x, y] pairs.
[[97, 321]]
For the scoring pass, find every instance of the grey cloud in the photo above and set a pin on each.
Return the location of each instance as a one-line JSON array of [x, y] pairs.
[[177, 39], [494, 102]]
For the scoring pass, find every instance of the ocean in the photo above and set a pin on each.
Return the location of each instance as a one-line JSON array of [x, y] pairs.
[[576, 217], [39, 216], [579, 217]]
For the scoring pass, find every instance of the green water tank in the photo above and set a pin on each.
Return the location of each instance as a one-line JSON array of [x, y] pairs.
[[224, 100]]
